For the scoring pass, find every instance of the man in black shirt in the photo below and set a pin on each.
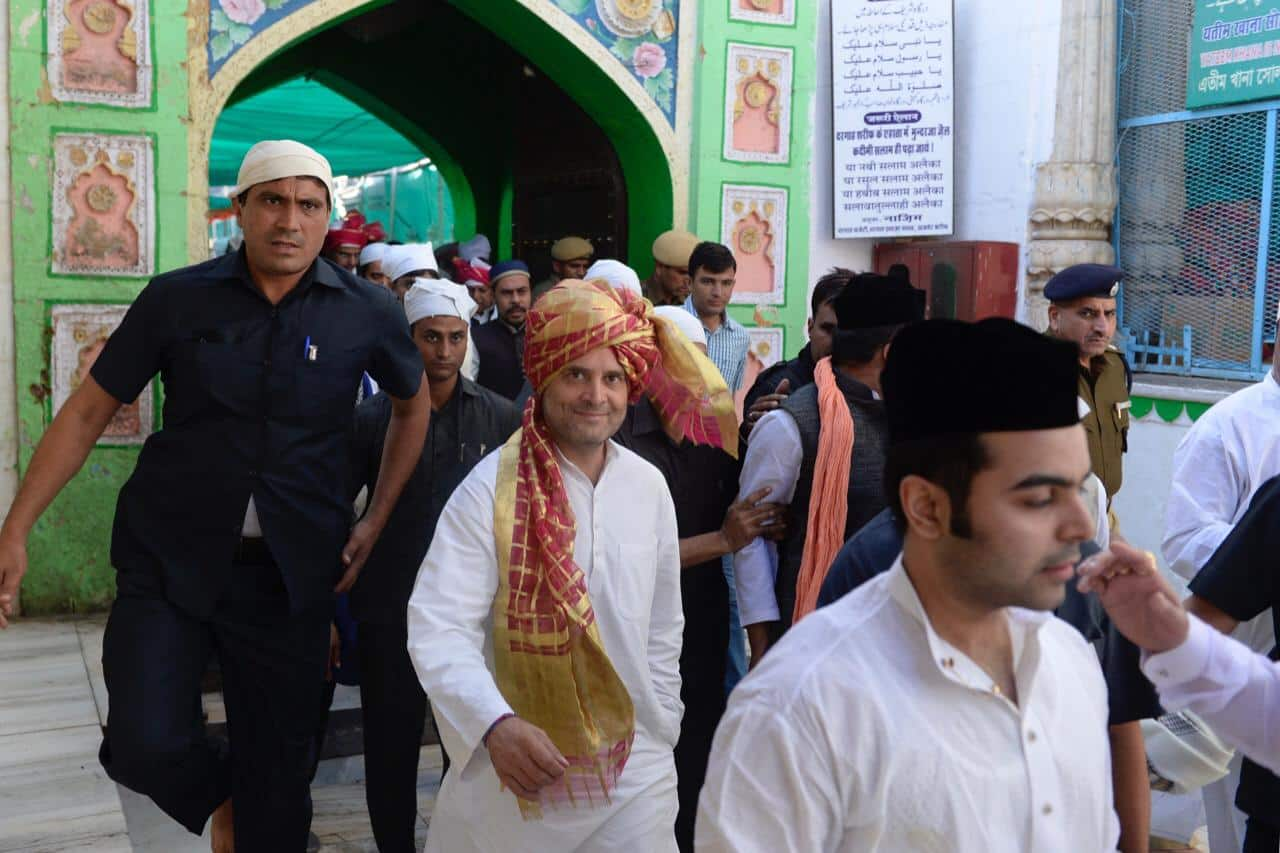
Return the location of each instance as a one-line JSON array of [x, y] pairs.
[[775, 383], [500, 343], [229, 536], [1237, 584], [703, 481], [467, 422]]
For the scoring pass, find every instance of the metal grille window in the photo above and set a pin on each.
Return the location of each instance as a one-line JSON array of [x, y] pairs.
[[1197, 231]]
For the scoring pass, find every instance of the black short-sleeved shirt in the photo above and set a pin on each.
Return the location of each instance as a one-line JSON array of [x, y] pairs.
[[248, 410], [1240, 579], [474, 422], [703, 481], [1130, 697]]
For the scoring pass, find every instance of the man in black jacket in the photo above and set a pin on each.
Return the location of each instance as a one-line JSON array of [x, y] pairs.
[[768, 391], [500, 343], [467, 422]]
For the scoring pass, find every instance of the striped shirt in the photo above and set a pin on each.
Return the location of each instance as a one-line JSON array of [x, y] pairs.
[[727, 347]]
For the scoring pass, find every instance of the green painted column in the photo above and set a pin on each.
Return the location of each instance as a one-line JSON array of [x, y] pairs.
[[69, 562]]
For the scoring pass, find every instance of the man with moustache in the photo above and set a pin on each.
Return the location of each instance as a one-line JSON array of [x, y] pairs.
[[1082, 311], [940, 706], [669, 284], [545, 623], [467, 422], [712, 271], [229, 535], [500, 343]]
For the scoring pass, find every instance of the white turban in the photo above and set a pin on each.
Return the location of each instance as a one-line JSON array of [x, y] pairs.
[[438, 298], [372, 253], [410, 257], [617, 274], [282, 158], [477, 247], [684, 321]]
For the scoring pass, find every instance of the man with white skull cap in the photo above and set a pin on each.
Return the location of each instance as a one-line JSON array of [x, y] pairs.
[[370, 266], [407, 262], [467, 422], [229, 535]]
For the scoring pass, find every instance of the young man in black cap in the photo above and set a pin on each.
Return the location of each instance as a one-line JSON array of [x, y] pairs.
[[841, 413], [940, 706], [1082, 311]]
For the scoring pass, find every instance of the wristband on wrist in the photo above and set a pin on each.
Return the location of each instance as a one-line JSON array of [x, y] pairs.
[[485, 740]]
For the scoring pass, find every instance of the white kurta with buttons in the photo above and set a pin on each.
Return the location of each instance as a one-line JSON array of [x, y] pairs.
[[863, 730], [626, 543]]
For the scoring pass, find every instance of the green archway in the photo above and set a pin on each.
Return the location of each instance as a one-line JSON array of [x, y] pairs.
[[447, 83]]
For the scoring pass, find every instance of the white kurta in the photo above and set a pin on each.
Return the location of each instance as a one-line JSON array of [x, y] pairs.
[[628, 547], [1233, 689], [773, 459], [863, 730], [1222, 460], [1232, 450]]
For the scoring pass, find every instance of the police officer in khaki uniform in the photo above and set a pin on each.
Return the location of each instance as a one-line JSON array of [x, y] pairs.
[[1082, 310], [670, 284], [570, 258]]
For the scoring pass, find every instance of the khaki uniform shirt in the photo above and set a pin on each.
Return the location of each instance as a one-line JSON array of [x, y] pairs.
[[1105, 390]]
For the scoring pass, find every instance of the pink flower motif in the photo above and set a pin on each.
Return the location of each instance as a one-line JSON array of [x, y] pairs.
[[243, 11], [649, 60]]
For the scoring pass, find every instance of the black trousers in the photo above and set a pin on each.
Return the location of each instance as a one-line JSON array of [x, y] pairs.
[[702, 667], [394, 712], [272, 664], [1260, 837]]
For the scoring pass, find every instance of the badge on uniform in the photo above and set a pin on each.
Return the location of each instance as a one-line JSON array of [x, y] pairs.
[[1121, 408]]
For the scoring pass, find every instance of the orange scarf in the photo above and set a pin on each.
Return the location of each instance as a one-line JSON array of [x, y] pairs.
[[550, 663], [828, 499]]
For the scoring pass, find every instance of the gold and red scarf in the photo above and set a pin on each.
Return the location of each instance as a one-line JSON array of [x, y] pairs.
[[551, 665]]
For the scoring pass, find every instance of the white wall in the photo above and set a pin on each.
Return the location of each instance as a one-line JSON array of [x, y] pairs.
[[1006, 82], [1148, 471]]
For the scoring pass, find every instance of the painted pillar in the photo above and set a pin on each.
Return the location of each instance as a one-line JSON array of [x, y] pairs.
[[97, 111], [8, 376], [1075, 196], [751, 159]]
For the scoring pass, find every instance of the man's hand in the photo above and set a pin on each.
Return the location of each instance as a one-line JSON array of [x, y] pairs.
[[524, 757], [13, 565], [749, 518], [1139, 601], [363, 536], [764, 405], [758, 641], [335, 652]]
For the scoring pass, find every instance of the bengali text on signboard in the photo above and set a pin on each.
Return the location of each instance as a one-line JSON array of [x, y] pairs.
[[1235, 53], [893, 107]]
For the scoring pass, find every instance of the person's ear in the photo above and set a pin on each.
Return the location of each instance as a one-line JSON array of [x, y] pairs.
[[925, 506], [1053, 318]]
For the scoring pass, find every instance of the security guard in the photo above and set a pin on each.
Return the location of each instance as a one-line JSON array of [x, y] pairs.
[[570, 257], [670, 283], [229, 535], [1082, 310]]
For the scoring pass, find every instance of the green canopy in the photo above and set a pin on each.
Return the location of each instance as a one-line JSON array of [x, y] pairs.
[[355, 141]]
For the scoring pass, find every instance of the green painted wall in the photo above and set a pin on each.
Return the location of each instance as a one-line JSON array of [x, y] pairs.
[[710, 171], [69, 564]]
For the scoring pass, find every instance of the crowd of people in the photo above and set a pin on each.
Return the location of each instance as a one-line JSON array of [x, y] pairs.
[[531, 511]]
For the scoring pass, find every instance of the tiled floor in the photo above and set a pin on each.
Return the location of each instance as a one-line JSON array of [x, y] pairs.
[[54, 796]]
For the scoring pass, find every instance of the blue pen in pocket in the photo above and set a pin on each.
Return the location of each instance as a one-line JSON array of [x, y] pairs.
[[309, 352]]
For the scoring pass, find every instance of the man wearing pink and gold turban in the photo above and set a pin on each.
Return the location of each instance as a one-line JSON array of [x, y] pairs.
[[546, 620]]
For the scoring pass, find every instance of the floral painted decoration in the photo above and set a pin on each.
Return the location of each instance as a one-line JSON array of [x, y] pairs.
[[641, 34], [233, 22]]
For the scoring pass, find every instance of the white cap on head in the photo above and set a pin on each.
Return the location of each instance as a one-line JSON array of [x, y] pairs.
[[410, 257], [438, 298], [282, 158], [372, 253], [476, 248], [684, 321], [617, 274]]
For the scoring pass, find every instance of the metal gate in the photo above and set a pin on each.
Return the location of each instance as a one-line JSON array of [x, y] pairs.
[[1197, 230]]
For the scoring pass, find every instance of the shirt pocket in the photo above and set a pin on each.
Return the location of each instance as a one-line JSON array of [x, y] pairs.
[[632, 581], [326, 389]]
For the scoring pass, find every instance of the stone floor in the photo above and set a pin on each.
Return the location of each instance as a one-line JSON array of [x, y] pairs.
[[54, 796]]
